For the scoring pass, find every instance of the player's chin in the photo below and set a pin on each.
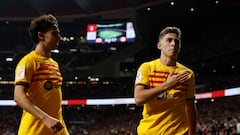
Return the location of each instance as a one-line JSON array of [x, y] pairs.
[[172, 54], [56, 45]]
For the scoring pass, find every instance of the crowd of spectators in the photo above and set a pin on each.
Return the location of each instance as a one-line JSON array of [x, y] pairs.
[[220, 116]]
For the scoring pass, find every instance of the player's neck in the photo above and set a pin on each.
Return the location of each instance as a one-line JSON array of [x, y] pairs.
[[40, 50], [168, 61]]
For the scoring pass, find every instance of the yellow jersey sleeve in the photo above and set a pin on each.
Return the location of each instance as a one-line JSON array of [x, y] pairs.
[[142, 75]]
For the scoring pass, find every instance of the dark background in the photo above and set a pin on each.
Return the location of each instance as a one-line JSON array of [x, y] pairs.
[[210, 35]]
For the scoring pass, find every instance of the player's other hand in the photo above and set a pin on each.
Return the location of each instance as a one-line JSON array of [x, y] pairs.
[[53, 124]]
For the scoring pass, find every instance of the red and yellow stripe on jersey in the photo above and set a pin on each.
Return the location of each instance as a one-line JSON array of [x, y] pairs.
[[43, 79], [165, 114]]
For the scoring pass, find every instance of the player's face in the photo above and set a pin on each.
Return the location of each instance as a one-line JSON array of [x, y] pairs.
[[52, 38], [169, 45]]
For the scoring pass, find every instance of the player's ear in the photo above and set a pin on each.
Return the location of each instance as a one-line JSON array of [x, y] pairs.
[[159, 45], [40, 35]]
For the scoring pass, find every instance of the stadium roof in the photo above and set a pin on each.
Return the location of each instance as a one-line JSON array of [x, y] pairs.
[[20, 9], [23, 9]]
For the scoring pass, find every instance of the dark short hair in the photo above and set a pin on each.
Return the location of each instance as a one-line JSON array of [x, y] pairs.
[[41, 24], [167, 30]]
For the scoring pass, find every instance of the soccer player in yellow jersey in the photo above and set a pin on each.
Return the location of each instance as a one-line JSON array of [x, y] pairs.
[[166, 89], [38, 82]]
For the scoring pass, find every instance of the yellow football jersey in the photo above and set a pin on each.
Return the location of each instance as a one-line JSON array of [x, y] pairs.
[[43, 78], [165, 115]]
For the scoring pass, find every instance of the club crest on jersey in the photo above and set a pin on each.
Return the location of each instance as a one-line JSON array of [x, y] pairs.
[[48, 85]]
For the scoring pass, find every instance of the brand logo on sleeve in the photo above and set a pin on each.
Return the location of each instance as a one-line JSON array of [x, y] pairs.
[[139, 77], [20, 72]]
